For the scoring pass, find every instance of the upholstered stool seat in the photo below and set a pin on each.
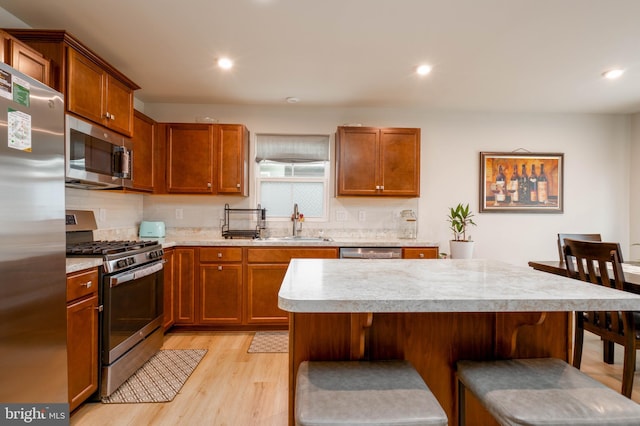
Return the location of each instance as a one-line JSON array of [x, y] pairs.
[[364, 393], [544, 391]]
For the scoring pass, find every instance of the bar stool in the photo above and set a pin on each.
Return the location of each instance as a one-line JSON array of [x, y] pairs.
[[364, 393], [542, 391]]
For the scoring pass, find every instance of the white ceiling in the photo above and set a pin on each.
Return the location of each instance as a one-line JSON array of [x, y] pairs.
[[487, 55]]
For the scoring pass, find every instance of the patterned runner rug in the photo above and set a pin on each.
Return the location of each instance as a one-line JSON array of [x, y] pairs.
[[270, 341], [159, 379]]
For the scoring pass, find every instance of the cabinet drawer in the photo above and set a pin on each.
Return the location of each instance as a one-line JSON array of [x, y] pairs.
[[420, 253], [221, 254], [82, 283], [284, 255]]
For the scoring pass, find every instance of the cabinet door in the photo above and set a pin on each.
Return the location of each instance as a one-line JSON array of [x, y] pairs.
[[168, 291], [119, 106], [220, 294], [263, 285], [85, 87], [357, 160], [184, 285], [232, 156], [420, 253], [29, 62], [144, 146], [82, 349], [400, 162], [190, 153]]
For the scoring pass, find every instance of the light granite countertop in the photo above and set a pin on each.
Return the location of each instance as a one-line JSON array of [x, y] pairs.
[[331, 242], [476, 285], [75, 264]]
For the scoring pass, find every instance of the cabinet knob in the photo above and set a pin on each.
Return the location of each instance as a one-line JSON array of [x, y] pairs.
[[220, 255], [88, 284], [421, 255], [219, 267], [208, 184], [99, 308], [237, 185]]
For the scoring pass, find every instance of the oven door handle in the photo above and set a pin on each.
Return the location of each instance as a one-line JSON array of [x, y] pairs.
[[134, 274]]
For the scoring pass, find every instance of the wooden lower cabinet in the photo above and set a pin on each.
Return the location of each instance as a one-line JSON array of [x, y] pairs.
[[82, 335], [220, 294], [220, 285], [266, 268], [237, 287], [420, 253], [263, 284], [169, 294], [184, 264]]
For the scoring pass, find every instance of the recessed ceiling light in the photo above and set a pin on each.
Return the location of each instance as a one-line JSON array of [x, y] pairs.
[[613, 74], [293, 100], [423, 69], [225, 63]]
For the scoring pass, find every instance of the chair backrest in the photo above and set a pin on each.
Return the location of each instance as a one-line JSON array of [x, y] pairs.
[[599, 263], [595, 262], [581, 237]]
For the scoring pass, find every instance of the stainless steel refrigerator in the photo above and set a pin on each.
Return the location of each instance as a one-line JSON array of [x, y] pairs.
[[33, 352]]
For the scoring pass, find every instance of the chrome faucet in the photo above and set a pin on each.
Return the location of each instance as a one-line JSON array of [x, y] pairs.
[[296, 219]]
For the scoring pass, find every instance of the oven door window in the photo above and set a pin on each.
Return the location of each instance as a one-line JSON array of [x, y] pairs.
[[131, 306], [91, 154]]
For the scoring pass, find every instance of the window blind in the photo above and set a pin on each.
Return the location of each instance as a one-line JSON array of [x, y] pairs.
[[292, 148]]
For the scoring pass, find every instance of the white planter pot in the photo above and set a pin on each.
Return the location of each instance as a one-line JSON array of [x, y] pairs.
[[461, 249]]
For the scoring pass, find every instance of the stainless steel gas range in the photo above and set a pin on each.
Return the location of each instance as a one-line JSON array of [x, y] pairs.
[[130, 295]]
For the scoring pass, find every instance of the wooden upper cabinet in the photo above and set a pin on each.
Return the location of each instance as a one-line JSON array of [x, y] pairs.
[[93, 88], [207, 159], [190, 158], [96, 95], [25, 59], [375, 161], [144, 151], [233, 158]]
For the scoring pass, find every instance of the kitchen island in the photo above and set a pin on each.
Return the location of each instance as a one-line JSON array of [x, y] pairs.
[[432, 313]]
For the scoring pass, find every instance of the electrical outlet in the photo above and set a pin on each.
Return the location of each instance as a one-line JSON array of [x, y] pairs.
[[341, 216], [362, 216], [179, 213]]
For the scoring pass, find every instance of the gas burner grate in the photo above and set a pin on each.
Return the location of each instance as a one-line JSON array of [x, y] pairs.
[[100, 248]]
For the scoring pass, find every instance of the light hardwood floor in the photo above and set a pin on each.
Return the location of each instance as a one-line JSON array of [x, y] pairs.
[[234, 388]]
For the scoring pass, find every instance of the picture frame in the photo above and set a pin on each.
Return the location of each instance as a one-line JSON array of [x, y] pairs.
[[499, 192]]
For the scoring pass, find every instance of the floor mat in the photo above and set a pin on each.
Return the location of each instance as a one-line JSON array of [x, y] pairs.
[[270, 341], [159, 379]]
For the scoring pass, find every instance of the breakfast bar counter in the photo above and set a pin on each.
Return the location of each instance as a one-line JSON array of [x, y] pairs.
[[432, 313]]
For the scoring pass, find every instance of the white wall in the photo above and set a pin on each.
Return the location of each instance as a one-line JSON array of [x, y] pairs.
[[597, 169], [634, 189]]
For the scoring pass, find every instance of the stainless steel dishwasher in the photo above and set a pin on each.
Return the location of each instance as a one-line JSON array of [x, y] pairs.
[[370, 252]]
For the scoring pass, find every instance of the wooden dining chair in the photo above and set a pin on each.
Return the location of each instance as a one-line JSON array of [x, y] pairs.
[[600, 263], [581, 237]]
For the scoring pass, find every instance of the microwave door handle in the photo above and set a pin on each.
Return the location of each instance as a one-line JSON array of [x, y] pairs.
[[135, 274]]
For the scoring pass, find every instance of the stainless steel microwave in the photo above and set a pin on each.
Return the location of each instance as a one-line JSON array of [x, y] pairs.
[[95, 157]]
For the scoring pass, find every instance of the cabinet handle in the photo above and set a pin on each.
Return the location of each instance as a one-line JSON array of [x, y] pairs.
[[88, 284]]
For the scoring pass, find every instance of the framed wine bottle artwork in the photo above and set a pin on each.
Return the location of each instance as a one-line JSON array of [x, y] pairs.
[[521, 182]]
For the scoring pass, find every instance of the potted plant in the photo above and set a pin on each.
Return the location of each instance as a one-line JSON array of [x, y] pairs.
[[459, 218]]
